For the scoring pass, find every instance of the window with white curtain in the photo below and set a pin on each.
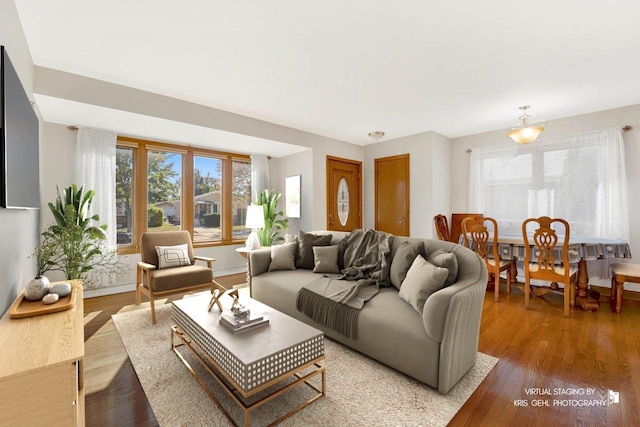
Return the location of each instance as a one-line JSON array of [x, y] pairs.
[[580, 178]]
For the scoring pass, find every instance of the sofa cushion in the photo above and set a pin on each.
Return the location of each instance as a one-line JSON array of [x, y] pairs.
[[283, 257], [173, 256], [448, 260], [179, 277], [423, 279], [306, 242], [325, 259], [402, 260]]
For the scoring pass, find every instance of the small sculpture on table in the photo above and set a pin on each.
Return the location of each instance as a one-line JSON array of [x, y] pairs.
[[240, 312]]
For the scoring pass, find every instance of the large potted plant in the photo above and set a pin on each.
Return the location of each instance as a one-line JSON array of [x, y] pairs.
[[269, 234], [74, 245]]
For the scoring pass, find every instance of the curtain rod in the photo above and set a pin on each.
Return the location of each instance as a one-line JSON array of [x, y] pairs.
[[626, 128]]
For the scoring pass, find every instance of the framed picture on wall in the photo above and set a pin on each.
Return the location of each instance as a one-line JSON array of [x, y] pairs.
[[292, 196]]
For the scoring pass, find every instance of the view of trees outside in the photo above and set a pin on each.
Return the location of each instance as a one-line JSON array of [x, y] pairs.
[[124, 195], [241, 191], [207, 188], [164, 187]]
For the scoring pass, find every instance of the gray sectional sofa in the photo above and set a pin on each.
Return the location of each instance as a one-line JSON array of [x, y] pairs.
[[436, 347]]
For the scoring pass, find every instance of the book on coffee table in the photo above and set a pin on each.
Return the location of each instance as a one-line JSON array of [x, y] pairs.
[[237, 326]]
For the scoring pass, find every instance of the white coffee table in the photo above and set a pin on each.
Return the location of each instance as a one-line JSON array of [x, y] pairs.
[[252, 361]]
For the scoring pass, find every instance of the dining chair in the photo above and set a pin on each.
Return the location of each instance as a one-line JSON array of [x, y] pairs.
[[442, 227], [540, 260], [484, 242], [622, 272]]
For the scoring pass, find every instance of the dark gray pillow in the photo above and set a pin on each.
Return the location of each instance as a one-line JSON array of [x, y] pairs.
[[306, 242], [402, 260], [423, 279], [448, 260]]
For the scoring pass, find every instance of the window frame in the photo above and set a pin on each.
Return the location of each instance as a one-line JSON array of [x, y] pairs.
[[140, 154]]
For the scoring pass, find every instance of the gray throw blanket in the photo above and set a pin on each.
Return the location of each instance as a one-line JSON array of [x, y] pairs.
[[334, 301]]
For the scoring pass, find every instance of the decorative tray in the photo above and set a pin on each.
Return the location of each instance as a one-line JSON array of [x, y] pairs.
[[22, 307]]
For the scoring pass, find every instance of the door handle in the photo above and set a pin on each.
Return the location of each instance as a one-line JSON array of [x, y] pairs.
[[401, 221]]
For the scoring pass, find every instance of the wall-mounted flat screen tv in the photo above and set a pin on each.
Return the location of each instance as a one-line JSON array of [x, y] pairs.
[[19, 146]]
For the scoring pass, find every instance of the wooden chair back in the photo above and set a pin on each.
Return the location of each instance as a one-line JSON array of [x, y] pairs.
[[545, 240], [477, 236], [442, 227]]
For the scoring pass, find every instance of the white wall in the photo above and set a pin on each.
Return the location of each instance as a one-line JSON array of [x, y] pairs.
[[19, 229], [299, 164], [429, 178], [570, 125]]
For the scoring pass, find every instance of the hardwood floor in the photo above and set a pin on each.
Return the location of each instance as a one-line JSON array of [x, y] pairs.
[[538, 349]]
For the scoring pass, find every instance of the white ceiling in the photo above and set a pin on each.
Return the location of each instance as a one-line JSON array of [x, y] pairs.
[[344, 68]]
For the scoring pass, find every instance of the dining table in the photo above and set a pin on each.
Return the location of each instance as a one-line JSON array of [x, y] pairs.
[[591, 254]]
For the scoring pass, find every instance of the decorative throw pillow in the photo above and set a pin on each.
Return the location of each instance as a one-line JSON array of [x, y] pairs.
[[326, 259], [423, 279], [173, 256], [306, 242], [402, 260], [448, 260], [283, 257]]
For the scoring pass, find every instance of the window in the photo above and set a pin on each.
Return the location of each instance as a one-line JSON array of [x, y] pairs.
[[580, 178], [241, 197], [168, 187], [164, 187], [207, 192], [124, 195]]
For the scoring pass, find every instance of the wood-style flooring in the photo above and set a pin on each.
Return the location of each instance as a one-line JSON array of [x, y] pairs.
[[561, 359]]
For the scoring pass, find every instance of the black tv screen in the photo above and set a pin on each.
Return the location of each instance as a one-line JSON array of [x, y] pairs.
[[20, 186]]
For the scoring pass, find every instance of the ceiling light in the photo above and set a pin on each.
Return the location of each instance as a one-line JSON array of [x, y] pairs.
[[376, 135], [525, 133]]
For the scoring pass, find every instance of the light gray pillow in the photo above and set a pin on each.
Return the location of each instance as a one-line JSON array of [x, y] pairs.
[[423, 279], [325, 259], [173, 256], [448, 260], [283, 257], [402, 261]]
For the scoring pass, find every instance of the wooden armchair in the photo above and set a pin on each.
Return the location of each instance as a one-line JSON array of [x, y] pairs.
[[544, 265], [153, 280], [477, 237]]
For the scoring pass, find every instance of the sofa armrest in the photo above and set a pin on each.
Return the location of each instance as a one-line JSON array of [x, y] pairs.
[[451, 316], [259, 261]]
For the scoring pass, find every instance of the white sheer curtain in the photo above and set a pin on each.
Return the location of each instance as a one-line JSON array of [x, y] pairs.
[[580, 178], [95, 168], [259, 175]]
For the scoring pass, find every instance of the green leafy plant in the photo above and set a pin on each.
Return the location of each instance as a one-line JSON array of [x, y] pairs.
[[269, 234], [73, 244]]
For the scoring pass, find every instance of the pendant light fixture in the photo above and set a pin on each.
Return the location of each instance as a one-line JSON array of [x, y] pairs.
[[525, 133]]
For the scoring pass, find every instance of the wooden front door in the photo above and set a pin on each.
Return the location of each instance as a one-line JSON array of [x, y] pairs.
[[392, 195], [344, 187]]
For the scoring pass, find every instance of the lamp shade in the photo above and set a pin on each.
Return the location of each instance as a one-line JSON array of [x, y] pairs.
[[255, 216], [525, 135]]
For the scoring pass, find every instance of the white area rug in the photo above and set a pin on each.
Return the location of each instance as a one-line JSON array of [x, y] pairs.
[[359, 390]]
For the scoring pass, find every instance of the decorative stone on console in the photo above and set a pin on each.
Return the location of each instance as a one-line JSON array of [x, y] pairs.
[[62, 289], [36, 288], [50, 299]]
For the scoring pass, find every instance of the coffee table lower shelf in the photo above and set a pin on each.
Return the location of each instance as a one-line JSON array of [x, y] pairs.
[[235, 392]]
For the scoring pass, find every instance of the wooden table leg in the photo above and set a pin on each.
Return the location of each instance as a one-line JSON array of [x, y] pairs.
[[514, 273], [582, 298]]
